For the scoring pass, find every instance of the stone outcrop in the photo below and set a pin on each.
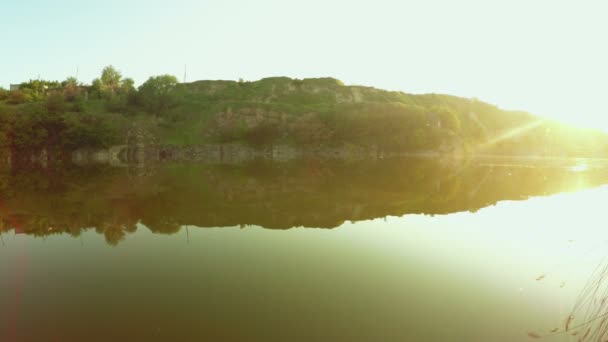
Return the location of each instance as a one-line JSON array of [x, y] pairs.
[[114, 156]]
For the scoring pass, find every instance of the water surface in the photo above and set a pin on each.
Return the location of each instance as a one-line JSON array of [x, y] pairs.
[[394, 250]]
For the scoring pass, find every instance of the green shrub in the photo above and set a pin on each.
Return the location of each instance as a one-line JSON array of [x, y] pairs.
[[55, 103], [16, 97]]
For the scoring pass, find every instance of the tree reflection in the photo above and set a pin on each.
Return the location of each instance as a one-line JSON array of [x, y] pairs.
[[305, 193]]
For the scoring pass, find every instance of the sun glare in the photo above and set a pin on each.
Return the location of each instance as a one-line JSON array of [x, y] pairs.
[[579, 168], [513, 133]]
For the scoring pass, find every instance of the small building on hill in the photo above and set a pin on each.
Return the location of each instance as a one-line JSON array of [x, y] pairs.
[[14, 87]]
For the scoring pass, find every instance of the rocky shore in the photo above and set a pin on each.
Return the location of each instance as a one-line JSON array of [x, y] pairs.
[[230, 153]]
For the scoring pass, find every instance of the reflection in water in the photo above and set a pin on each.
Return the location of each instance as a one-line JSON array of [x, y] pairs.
[[312, 193], [418, 278], [579, 167]]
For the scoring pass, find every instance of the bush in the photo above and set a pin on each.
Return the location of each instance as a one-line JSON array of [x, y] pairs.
[[158, 93], [55, 103], [71, 93], [116, 104], [16, 97], [3, 94], [78, 106]]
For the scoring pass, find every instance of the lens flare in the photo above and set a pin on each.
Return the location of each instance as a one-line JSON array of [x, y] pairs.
[[579, 168]]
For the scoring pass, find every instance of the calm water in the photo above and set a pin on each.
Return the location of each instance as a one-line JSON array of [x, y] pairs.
[[394, 250]]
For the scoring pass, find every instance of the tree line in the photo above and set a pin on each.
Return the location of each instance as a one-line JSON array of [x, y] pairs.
[[154, 95], [67, 115]]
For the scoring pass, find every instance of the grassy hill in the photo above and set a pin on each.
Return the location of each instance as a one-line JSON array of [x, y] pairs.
[[323, 111], [310, 112]]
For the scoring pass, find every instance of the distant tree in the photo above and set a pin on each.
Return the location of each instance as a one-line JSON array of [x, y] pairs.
[[127, 85], [3, 94], [111, 78], [115, 89], [71, 88], [70, 82], [36, 90], [158, 93], [96, 87], [128, 92]]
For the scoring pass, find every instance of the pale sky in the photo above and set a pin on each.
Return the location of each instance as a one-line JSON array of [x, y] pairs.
[[546, 57]]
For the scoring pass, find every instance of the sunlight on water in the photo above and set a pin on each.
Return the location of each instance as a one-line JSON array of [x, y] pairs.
[[580, 168], [494, 251], [543, 251]]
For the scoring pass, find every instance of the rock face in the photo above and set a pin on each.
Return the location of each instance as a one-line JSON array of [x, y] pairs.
[[236, 153], [231, 154], [275, 89], [142, 148], [114, 156], [139, 143], [245, 119]]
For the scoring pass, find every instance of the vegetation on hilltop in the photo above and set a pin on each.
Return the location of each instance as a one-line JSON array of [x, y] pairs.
[[310, 112]]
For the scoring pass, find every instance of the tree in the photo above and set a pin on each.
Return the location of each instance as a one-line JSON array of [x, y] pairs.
[[97, 87], [158, 93], [127, 85], [70, 82], [71, 88], [128, 92], [37, 89], [113, 88], [111, 78]]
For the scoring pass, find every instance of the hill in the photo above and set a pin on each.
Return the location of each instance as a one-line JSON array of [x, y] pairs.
[[319, 112], [323, 111]]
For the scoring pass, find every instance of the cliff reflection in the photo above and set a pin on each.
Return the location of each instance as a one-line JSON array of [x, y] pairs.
[[307, 193]]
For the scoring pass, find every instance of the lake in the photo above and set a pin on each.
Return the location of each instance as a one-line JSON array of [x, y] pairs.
[[404, 249]]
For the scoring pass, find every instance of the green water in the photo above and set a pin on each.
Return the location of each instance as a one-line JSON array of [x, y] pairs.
[[394, 250]]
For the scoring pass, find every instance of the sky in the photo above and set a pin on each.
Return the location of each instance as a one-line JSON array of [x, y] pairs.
[[546, 57]]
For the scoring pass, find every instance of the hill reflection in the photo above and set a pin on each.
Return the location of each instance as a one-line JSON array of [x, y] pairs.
[[307, 193]]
